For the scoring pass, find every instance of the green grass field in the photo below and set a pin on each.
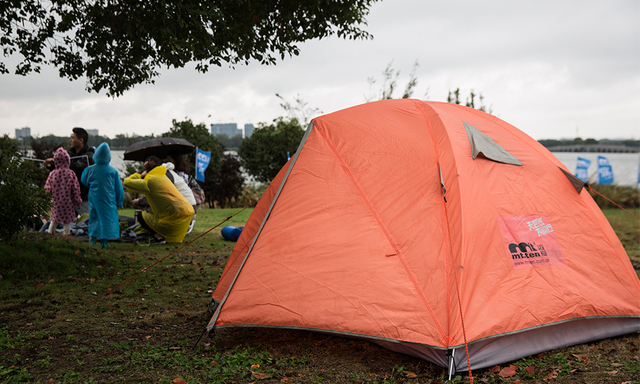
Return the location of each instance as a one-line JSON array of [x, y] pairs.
[[53, 330]]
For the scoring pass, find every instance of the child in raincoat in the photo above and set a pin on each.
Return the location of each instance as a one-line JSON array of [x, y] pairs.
[[63, 186], [105, 196]]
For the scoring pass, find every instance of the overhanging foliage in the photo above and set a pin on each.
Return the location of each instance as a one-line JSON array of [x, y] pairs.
[[118, 44]]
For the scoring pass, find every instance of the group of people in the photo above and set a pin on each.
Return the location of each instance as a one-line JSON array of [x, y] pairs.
[[82, 181]]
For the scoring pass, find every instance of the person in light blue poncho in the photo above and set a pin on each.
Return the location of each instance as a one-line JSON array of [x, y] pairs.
[[105, 196]]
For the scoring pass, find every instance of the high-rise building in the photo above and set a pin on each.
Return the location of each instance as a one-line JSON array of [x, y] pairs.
[[229, 129], [23, 132], [92, 132], [248, 130]]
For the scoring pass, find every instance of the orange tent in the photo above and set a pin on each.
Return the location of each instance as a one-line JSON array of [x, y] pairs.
[[422, 225]]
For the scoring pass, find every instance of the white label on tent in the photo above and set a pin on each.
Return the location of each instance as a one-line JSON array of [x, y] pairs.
[[530, 241]]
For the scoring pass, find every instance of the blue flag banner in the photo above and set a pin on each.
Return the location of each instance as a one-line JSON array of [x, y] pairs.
[[202, 162], [605, 173], [582, 169]]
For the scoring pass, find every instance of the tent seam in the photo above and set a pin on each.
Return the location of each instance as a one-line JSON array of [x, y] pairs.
[[443, 209], [386, 232]]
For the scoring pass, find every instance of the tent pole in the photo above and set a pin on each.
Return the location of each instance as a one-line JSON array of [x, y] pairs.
[[452, 365]]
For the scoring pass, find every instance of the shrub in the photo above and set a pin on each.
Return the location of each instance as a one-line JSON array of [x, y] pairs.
[[23, 200], [625, 196], [225, 189], [265, 152]]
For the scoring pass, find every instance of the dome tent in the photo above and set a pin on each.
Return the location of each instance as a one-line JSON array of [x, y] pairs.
[[423, 226]]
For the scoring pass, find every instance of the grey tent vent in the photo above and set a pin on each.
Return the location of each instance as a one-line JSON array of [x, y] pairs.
[[577, 183], [481, 143]]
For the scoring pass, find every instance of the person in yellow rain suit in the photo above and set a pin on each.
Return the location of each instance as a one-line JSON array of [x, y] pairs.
[[172, 213]]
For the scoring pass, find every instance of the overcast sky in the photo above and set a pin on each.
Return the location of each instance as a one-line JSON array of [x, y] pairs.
[[554, 69]]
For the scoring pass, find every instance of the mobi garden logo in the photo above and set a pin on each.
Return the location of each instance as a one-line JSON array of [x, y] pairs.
[[530, 241]]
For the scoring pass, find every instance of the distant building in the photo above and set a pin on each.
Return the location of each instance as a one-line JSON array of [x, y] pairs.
[[23, 135], [229, 129], [92, 132], [23, 132], [248, 130]]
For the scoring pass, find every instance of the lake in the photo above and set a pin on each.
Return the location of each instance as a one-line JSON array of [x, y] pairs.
[[624, 165]]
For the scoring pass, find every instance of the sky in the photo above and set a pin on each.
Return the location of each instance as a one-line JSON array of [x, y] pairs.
[[554, 69]]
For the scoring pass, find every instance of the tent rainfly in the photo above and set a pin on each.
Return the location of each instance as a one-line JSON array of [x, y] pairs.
[[425, 227]]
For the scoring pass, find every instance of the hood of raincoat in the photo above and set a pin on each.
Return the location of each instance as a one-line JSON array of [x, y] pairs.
[[103, 154], [61, 158], [169, 165]]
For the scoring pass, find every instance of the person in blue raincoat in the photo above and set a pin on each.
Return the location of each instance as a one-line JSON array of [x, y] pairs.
[[105, 196]]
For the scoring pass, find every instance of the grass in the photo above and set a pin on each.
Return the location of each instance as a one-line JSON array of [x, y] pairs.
[[53, 330]]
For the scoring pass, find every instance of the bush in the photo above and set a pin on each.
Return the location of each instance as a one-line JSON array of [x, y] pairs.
[[625, 196], [23, 200], [225, 189], [265, 152]]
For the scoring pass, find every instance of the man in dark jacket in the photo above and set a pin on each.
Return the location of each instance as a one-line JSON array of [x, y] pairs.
[[81, 157]]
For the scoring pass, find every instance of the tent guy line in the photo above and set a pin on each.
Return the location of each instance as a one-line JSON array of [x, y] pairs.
[[162, 259], [611, 201]]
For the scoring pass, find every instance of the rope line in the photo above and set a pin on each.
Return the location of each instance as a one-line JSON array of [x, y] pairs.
[[611, 201], [185, 245]]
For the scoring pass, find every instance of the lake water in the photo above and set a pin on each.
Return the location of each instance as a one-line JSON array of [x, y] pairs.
[[624, 165]]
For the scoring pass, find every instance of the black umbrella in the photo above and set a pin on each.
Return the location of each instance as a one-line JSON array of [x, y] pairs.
[[157, 147]]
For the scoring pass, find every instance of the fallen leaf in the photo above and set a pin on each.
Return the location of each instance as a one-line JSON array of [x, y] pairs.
[[133, 257], [147, 337], [552, 375], [285, 380], [51, 281], [495, 369], [39, 286], [507, 372], [174, 348], [214, 363], [255, 366], [178, 380], [616, 365], [530, 370], [410, 374], [612, 372], [582, 357], [78, 251], [260, 375]]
